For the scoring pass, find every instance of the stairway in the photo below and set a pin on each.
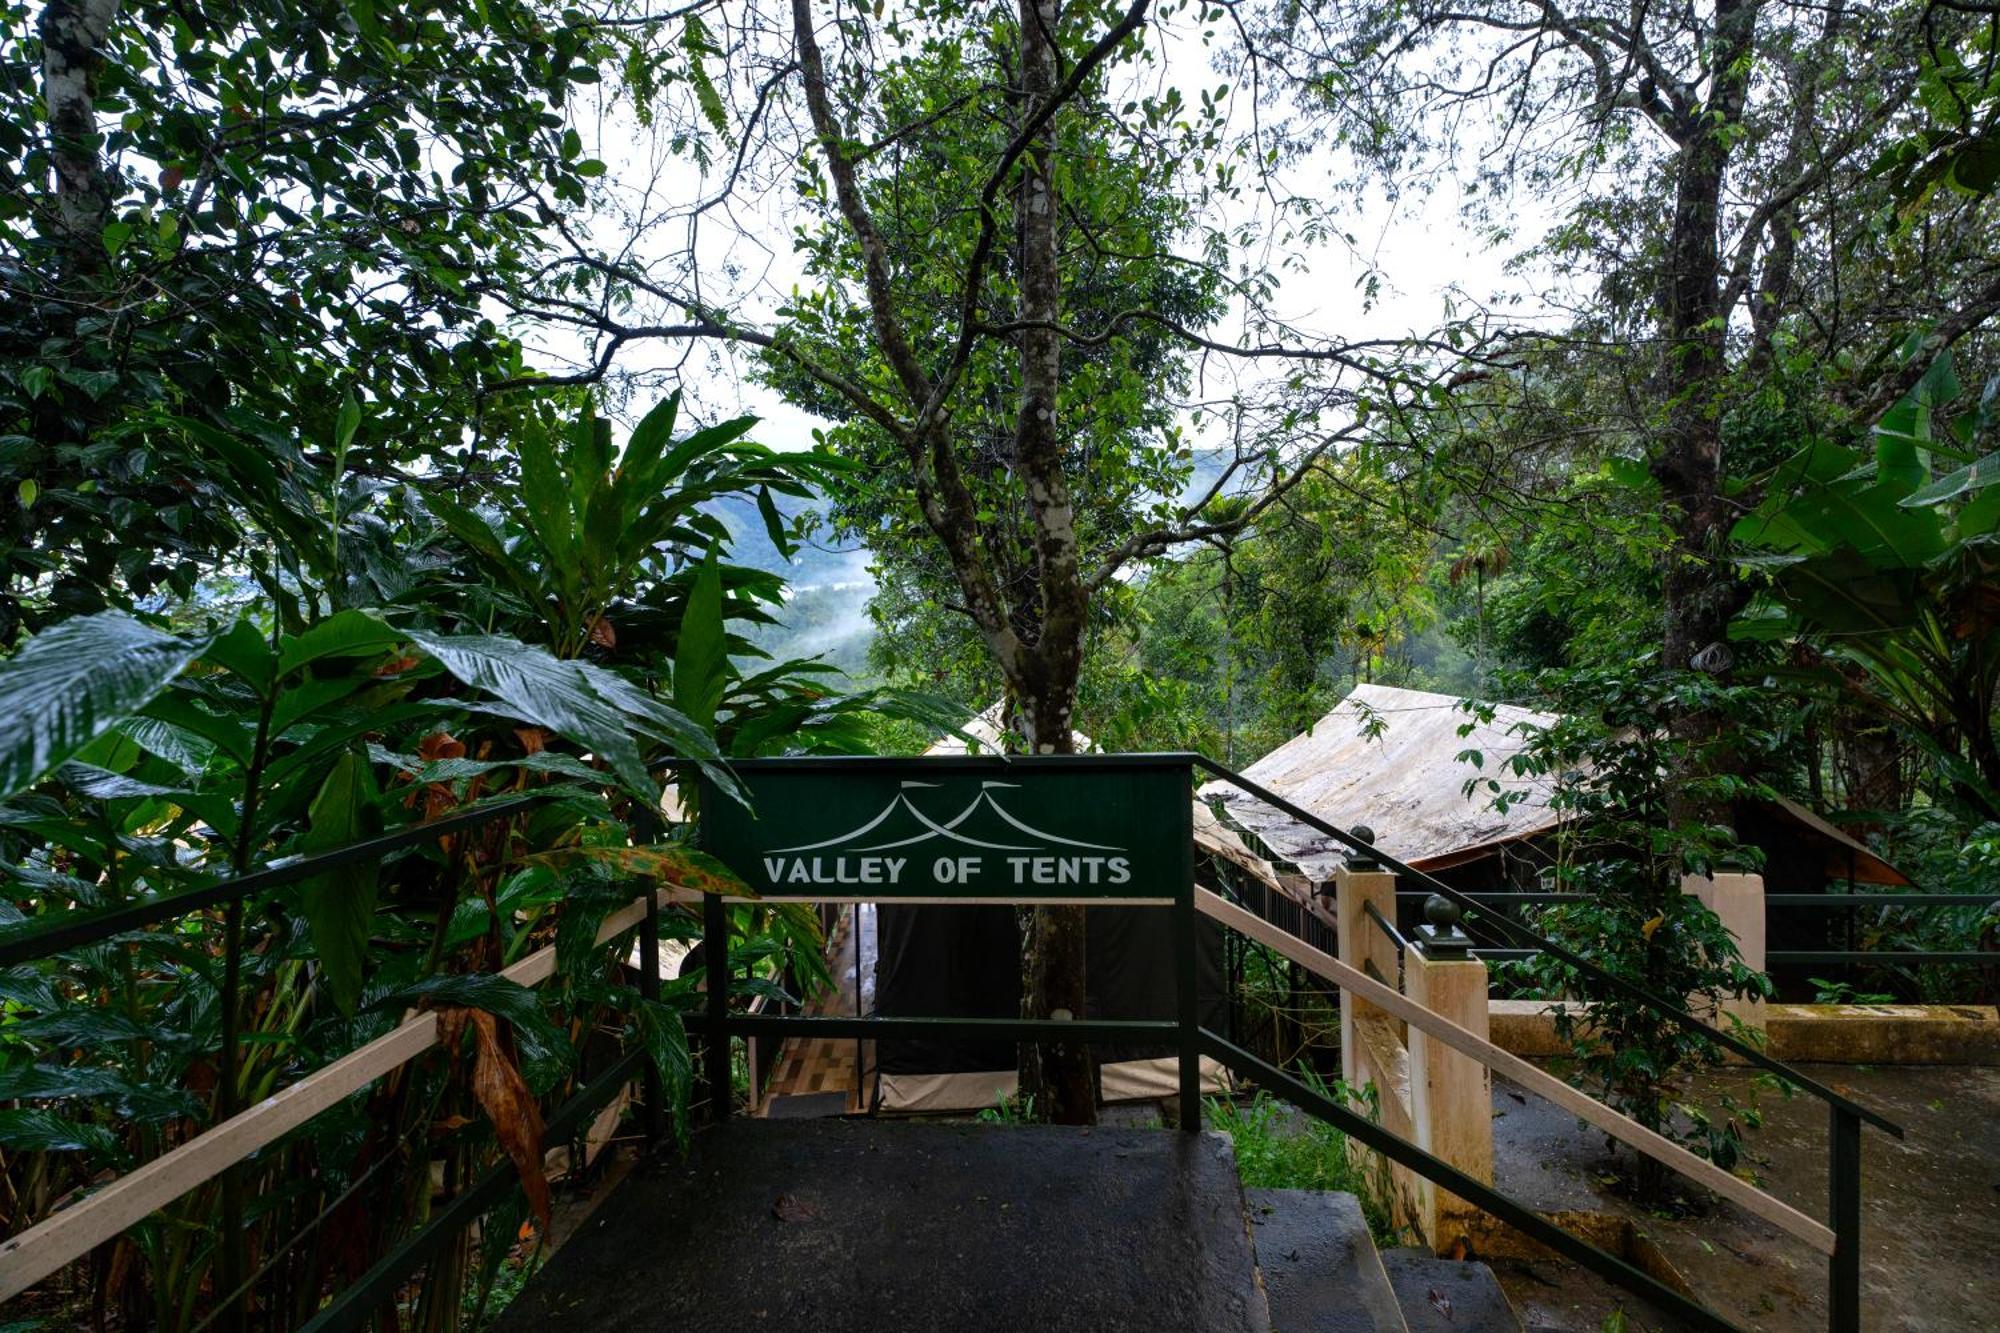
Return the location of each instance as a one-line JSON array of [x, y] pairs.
[[859, 1226], [1323, 1274]]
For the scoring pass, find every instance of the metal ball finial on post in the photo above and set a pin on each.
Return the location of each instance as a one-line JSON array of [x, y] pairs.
[[1358, 859], [1440, 938]]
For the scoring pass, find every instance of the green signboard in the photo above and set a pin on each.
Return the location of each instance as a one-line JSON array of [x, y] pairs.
[[1058, 829]]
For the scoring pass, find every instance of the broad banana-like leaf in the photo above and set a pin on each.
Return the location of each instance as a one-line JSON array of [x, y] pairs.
[[77, 680], [1972, 477], [339, 906], [594, 707], [701, 659]]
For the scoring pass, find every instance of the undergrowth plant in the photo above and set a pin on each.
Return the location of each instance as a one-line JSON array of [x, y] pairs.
[[1643, 802], [387, 656], [1279, 1148]]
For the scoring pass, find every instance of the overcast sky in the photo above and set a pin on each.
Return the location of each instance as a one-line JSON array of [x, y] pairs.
[[1417, 246]]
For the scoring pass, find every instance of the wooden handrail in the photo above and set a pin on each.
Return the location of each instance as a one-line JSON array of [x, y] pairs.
[[46, 1247], [1630, 1132]]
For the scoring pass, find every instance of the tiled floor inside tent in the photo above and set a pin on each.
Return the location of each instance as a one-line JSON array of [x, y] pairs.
[[815, 1067]]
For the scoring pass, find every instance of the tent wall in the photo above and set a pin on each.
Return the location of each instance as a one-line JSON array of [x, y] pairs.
[[965, 962]]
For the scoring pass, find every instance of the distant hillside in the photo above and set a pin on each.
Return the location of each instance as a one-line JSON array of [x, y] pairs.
[[826, 611], [830, 586]]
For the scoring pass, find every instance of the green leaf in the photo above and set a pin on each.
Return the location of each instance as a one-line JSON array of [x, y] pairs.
[[664, 1036], [475, 532], [77, 680], [1973, 476], [701, 661], [495, 994], [339, 906], [666, 862], [345, 425], [244, 651], [568, 697], [455, 770], [545, 498], [344, 634], [26, 1130]]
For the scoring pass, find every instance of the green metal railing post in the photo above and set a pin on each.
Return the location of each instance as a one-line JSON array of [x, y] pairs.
[[715, 949], [1188, 996], [1187, 973], [1844, 1216], [649, 990], [646, 827]]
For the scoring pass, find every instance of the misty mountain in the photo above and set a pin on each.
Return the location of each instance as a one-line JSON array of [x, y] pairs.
[[829, 584]]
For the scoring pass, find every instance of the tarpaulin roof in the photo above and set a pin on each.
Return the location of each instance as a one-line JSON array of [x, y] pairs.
[[1397, 761]]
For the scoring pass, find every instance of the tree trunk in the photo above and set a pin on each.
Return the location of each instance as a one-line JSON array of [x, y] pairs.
[[1700, 591], [73, 35], [1056, 1075]]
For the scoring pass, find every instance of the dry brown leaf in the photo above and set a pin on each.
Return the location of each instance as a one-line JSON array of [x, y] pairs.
[[440, 745], [791, 1208], [602, 634], [517, 1120]]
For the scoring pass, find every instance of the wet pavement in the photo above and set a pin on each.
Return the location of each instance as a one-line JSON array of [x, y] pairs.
[[854, 1226], [1930, 1219]]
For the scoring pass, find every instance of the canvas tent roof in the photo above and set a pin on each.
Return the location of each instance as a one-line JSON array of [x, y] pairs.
[[1390, 759]]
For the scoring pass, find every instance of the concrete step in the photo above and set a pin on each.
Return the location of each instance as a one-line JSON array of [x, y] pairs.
[[856, 1226], [1321, 1271], [1448, 1295]]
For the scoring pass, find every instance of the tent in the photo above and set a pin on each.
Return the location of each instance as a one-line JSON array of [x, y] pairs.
[[1390, 759], [966, 962]]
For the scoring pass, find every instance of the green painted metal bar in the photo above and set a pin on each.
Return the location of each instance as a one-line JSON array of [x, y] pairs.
[[1504, 899], [1844, 1216], [1835, 901], [1525, 937], [715, 951], [1475, 1192], [356, 1307], [1972, 957], [648, 827], [42, 936], [649, 990], [972, 763], [1187, 994], [840, 1026]]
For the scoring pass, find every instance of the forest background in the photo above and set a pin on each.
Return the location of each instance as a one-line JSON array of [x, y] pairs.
[[377, 386]]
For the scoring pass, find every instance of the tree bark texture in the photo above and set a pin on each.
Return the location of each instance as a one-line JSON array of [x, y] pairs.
[[1056, 1075], [73, 36], [1700, 590]]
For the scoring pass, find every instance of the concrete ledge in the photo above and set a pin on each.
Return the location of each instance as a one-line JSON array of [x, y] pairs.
[[1884, 1034], [1855, 1034]]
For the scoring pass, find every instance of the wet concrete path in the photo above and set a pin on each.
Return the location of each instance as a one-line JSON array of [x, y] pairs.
[[845, 1226], [1930, 1221]]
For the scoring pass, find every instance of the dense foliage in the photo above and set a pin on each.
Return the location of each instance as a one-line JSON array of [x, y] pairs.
[[315, 320], [406, 656]]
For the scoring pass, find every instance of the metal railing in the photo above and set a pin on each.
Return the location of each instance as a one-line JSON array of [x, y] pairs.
[[219, 1151], [1818, 902], [1395, 938], [1845, 1116], [358, 1305]]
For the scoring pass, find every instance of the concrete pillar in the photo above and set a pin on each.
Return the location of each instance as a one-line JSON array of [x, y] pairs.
[[1361, 943], [1739, 901], [1451, 1094]]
